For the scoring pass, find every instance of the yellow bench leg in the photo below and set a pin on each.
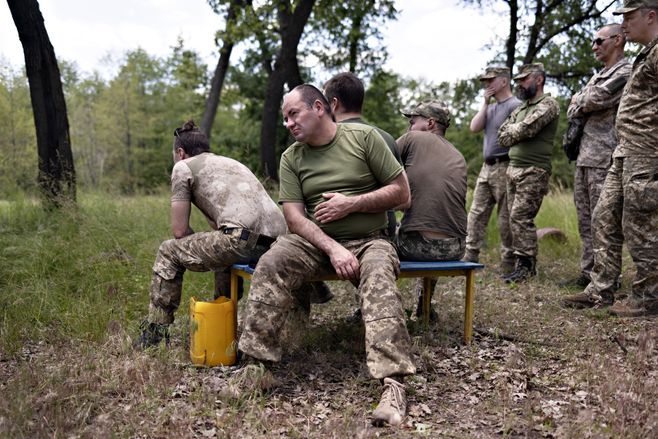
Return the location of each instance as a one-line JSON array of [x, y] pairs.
[[468, 306]]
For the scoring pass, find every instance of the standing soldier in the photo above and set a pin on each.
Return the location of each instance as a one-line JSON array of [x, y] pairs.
[[491, 184], [529, 133], [598, 102], [631, 187]]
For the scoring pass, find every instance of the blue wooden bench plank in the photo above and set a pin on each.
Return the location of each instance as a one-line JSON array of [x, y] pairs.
[[408, 269], [407, 266]]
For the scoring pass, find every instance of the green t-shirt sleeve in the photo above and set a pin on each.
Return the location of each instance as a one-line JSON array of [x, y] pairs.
[[381, 161], [290, 187]]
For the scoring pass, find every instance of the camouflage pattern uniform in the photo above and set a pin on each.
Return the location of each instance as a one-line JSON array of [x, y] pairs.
[[233, 200], [631, 187], [292, 259], [387, 341], [413, 246], [490, 190], [598, 101], [532, 125]]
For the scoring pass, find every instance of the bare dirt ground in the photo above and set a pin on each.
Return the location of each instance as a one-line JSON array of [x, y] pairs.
[[533, 370]]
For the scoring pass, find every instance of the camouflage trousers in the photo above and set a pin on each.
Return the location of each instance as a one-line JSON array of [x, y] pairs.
[[413, 246], [490, 190], [588, 183], [204, 251], [291, 262], [629, 198], [526, 188]]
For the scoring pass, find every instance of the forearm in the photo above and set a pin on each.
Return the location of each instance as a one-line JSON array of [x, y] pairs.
[[311, 232], [392, 196], [511, 133], [480, 119]]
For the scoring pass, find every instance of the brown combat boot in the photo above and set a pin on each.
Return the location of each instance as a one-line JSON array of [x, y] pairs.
[[632, 308], [585, 300], [392, 407]]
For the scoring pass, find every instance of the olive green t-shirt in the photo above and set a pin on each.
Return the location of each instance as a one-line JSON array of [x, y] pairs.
[[355, 162]]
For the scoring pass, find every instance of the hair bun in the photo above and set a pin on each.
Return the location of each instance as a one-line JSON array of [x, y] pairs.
[[189, 125]]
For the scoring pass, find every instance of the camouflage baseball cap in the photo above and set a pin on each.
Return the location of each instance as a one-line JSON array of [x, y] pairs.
[[436, 110], [492, 72], [631, 5], [527, 69]]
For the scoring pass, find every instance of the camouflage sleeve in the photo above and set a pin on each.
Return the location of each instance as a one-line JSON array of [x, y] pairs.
[[606, 94], [504, 138], [574, 109], [182, 180], [511, 133]]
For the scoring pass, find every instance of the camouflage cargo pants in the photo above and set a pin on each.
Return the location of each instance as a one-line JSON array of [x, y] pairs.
[[640, 224], [607, 236], [204, 251], [588, 183], [490, 190], [291, 262], [413, 246], [526, 188]]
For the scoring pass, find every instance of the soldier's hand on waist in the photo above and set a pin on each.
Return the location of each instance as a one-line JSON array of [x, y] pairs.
[[344, 262], [336, 207]]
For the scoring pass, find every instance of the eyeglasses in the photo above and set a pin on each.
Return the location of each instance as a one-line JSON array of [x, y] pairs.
[[599, 41]]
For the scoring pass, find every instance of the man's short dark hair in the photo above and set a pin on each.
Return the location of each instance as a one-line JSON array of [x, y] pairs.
[[309, 94], [348, 89], [191, 139]]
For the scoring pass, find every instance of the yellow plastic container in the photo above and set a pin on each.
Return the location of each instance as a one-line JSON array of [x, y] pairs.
[[212, 332]]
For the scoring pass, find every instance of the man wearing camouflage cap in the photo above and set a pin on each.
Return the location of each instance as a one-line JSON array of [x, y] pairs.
[[434, 227], [491, 185], [529, 133], [597, 102], [631, 187]]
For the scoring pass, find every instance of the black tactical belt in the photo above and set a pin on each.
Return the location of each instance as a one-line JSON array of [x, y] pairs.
[[499, 159], [262, 241]]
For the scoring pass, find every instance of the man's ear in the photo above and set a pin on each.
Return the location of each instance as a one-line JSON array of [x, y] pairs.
[[180, 153], [317, 106]]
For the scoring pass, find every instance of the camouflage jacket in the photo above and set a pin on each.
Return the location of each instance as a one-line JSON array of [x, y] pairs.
[[529, 132], [598, 101], [637, 119]]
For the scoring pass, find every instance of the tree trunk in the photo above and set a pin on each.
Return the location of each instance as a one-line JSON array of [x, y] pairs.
[[286, 69], [513, 34], [56, 170], [217, 81], [216, 88]]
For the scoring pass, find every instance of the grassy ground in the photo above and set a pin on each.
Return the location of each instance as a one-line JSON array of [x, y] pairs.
[[73, 288]]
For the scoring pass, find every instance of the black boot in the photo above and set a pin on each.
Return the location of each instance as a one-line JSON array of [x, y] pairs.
[[525, 268], [151, 335], [419, 308]]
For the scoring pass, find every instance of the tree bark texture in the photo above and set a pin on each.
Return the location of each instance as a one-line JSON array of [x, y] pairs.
[[56, 169], [285, 70]]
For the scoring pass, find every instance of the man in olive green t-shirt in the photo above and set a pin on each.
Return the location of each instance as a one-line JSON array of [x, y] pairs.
[[336, 183], [529, 133]]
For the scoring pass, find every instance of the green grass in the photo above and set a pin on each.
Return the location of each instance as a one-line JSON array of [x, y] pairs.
[[67, 274], [74, 287]]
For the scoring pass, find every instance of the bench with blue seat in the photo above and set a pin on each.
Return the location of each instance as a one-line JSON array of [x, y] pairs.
[[408, 269]]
